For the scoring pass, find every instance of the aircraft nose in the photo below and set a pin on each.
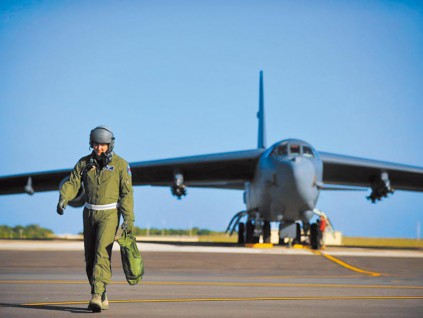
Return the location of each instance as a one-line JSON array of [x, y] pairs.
[[296, 159], [304, 173]]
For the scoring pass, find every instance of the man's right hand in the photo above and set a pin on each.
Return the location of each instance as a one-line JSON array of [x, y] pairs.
[[61, 206]]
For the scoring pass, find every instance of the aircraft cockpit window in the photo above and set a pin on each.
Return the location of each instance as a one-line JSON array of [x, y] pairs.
[[282, 150], [295, 150], [307, 152]]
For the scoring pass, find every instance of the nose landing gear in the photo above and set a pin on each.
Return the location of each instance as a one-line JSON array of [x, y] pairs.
[[290, 232]]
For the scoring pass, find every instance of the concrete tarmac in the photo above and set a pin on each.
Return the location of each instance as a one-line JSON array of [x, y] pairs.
[[47, 279]]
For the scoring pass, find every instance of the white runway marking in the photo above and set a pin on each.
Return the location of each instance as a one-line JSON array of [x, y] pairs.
[[29, 245]]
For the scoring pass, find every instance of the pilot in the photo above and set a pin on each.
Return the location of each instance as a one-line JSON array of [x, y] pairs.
[[107, 181]]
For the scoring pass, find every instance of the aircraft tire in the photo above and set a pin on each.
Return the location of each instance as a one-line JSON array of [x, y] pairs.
[[314, 237], [249, 232], [297, 239], [241, 233], [266, 232]]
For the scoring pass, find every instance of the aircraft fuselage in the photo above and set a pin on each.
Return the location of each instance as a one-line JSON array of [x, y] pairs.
[[285, 184]]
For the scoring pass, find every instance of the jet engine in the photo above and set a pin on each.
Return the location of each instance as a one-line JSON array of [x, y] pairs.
[[178, 188], [79, 200], [381, 187]]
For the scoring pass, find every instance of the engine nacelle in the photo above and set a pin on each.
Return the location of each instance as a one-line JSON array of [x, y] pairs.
[[178, 188], [79, 200], [381, 187]]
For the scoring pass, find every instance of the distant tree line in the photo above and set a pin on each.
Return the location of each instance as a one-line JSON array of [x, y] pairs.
[[32, 231], [156, 231]]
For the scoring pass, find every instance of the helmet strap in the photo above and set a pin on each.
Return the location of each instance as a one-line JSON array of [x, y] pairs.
[[104, 159]]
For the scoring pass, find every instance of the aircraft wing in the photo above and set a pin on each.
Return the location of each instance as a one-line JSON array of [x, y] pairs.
[[222, 170], [353, 171], [228, 170], [33, 182]]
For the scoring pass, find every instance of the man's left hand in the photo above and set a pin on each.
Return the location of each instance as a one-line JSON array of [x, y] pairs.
[[129, 225]]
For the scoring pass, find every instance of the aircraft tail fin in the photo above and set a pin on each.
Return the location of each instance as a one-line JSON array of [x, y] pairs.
[[260, 115]]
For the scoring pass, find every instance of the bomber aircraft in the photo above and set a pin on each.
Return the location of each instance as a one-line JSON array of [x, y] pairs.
[[281, 183]]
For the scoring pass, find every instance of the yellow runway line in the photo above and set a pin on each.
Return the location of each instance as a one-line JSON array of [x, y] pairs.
[[299, 277], [181, 300], [348, 266], [248, 284], [231, 284]]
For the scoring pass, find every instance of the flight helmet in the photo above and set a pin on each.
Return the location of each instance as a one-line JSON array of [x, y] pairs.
[[102, 135]]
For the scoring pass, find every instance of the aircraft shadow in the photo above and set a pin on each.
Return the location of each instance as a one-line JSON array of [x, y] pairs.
[[74, 310]]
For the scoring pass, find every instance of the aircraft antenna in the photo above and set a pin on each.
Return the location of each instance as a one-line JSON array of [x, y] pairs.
[[260, 115]]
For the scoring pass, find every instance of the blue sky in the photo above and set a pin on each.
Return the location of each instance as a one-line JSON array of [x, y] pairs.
[[178, 78]]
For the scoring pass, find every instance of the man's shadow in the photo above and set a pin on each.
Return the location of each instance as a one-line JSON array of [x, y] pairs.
[[75, 310]]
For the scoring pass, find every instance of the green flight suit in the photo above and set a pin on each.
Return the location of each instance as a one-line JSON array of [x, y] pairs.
[[111, 184]]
